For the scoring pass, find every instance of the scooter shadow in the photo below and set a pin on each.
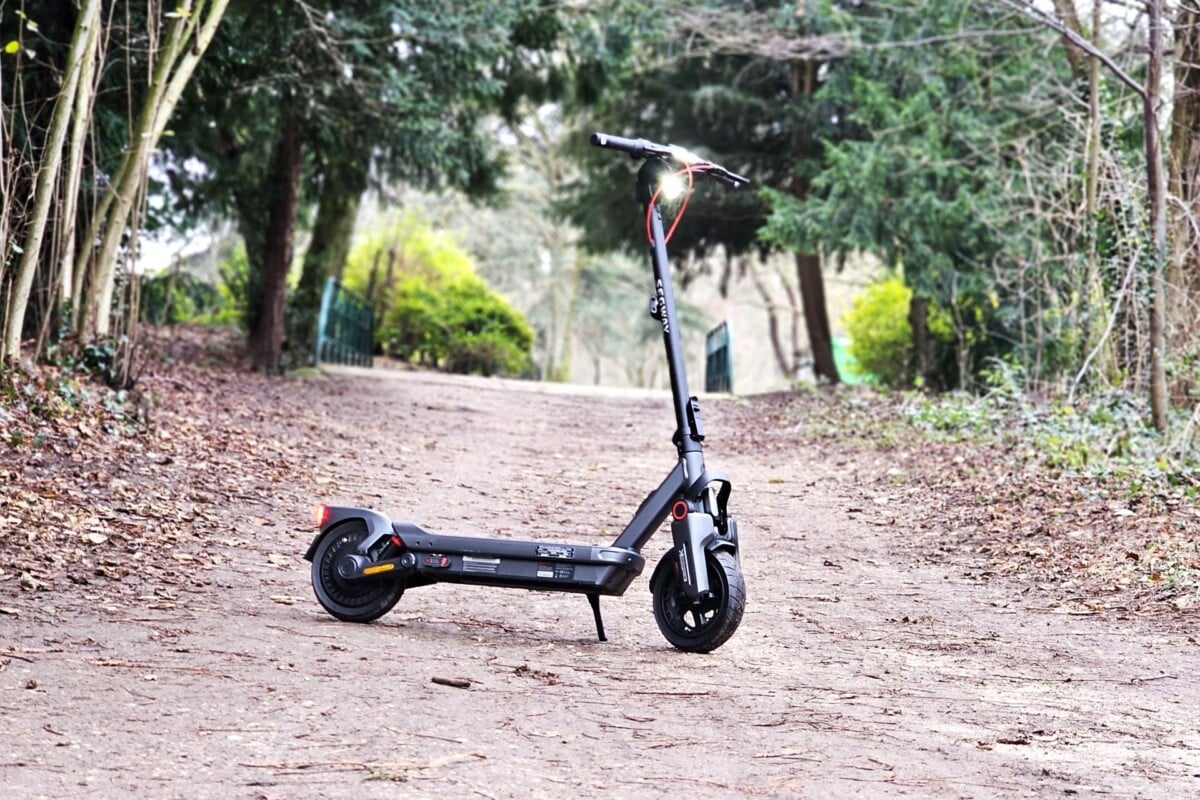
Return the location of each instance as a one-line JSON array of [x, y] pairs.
[[429, 628]]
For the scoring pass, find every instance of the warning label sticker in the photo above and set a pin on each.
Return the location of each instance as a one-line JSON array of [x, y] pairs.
[[559, 571], [489, 566]]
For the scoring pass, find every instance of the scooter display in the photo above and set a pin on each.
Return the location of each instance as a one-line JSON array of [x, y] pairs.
[[362, 561]]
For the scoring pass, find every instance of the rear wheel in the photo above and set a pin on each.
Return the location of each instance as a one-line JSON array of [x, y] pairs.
[[361, 600], [705, 627]]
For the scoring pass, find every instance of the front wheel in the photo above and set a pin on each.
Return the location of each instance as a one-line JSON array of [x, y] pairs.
[[352, 601], [699, 628]]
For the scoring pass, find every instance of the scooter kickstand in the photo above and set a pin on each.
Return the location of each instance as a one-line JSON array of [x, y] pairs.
[[594, 599]]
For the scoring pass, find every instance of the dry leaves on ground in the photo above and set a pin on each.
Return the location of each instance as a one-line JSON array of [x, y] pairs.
[[126, 494]]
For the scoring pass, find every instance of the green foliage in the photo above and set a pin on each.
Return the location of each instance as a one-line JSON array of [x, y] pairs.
[[937, 162], [742, 109], [403, 245], [434, 309], [880, 333], [398, 86], [458, 325], [370, 90], [1104, 435], [238, 289], [172, 297]]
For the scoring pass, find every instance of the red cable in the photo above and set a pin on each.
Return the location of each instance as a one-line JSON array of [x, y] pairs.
[[689, 169]]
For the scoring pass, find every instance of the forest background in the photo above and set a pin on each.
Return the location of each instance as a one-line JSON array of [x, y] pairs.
[[1015, 184]]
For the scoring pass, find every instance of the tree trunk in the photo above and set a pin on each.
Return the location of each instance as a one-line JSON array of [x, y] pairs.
[[266, 338], [562, 370], [808, 265], [69, 282], [327, 250], [1184, 177], [786, 366], [918, 320], [816, 316], [47, 181], [1158, 219], [188, 35], [1075, 55], [1095, 305]]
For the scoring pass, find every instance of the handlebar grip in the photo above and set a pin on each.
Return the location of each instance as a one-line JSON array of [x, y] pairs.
[[635, 147]]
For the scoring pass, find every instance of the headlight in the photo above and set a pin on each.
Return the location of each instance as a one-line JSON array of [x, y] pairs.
[[672, 186]]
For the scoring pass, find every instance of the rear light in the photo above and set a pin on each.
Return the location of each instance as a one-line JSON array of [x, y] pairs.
[[320, 515]]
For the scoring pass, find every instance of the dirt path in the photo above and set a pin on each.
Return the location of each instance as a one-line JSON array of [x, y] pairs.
[[860, 669]]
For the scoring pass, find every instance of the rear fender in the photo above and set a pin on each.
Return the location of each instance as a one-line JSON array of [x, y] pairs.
[[378, 526]]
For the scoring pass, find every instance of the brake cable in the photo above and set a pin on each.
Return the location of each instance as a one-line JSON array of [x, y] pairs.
[[688, 170]]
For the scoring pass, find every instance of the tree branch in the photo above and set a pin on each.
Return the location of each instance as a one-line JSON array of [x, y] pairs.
[[1052, 22]]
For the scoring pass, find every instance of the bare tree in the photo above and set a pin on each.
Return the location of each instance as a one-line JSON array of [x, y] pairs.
[[86, 26], [1183, 166], [189, 30], [1149, 91]]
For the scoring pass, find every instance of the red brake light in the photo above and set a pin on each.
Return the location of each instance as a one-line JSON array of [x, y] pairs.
[[320, 515]]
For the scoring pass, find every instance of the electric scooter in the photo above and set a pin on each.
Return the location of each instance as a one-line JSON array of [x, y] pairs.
[[362, 562]]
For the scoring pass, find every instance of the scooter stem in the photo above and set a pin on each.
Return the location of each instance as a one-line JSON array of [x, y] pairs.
[[664, 296]]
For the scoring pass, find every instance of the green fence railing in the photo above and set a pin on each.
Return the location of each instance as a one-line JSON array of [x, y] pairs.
[[343, 327], [718, 359]]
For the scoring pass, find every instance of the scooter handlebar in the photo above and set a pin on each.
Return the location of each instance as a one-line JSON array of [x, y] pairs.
[[637, 148], [641, 148]]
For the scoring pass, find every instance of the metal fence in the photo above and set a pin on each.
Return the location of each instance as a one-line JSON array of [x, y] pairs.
[[718, 359], [343, 327]]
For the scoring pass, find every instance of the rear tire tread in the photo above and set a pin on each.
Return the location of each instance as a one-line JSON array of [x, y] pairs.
[[357, 601]]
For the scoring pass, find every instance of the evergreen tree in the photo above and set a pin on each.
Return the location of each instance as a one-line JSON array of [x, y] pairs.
[[941, 113], [311, 101]]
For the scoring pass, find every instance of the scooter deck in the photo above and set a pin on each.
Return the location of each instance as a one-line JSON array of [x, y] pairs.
[[407, 551], [593, 569]]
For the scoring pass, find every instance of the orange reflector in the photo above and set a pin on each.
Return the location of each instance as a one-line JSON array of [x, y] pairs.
[[378, 568], [320, 515]]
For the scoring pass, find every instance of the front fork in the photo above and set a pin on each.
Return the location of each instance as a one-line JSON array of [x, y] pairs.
[[697, 526]]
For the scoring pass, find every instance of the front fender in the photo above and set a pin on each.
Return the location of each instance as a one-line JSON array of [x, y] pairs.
[[711, 545]]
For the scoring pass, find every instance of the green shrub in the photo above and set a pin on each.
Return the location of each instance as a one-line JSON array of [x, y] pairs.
[[881, 336], [239, 289], [458, 325], [412, 329], [169, 298], [382, 258], [432, 308]]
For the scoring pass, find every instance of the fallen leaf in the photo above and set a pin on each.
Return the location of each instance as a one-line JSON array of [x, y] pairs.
[[1182, 603], [30, 582]]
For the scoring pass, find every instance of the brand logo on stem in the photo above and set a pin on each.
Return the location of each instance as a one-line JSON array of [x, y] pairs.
[[662, 306]]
